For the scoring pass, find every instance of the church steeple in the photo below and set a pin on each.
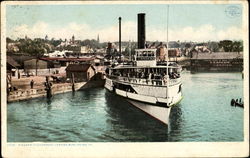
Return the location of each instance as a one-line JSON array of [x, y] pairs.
[[73, 39], [98, 40]]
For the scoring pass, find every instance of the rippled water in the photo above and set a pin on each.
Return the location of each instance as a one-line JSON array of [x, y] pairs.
[[96, 115]]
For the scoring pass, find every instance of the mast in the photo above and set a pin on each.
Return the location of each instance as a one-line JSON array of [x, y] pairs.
[[120, 52], [129, 48], [167, 56]]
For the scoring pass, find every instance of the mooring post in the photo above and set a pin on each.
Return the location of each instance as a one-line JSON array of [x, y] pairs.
[[48, 87], [73, 82]]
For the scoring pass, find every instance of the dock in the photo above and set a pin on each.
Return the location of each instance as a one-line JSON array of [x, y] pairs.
[[23, 90]]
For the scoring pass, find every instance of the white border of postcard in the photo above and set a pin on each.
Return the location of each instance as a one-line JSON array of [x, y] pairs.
[[89, 149]]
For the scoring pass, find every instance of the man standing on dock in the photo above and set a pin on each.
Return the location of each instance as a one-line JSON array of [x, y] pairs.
[[31, 84]]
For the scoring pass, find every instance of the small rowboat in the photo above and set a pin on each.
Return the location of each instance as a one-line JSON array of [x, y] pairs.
[[237, 103]]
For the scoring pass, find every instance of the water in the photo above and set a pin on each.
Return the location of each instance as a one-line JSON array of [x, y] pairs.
[[96, 115]]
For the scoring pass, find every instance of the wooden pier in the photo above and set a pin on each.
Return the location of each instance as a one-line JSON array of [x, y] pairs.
[[217, 61]]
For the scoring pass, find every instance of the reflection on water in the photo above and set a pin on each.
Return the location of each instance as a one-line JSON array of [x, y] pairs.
[[96, 115], [138, 125]]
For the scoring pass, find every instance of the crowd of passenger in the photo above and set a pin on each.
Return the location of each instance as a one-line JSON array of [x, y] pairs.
[[154, 77]]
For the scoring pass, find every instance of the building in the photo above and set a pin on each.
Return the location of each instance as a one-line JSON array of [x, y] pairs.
[[12, 67], [35, 63], [69, 60], [81, 72], [200, 49], [78, 49], [161, 53], [110, 49], [12, 47], [218, 61], [174, 52], [57, 53], [41, 67]]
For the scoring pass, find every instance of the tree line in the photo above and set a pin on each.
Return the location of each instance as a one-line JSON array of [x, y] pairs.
[[38, 46]]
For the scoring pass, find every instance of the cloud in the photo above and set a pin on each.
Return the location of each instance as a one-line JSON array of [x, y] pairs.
[[37, 30], [129, 32], [206, 33], [231, 33]]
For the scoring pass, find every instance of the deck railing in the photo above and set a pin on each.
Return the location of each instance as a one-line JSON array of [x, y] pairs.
[[157, 82]]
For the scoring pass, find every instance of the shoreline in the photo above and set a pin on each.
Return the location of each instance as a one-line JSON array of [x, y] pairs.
[[26, 94]]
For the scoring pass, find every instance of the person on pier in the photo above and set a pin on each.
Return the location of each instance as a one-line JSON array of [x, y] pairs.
[[31, 84]]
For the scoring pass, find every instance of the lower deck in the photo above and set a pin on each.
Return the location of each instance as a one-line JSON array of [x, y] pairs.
[[155, 95]]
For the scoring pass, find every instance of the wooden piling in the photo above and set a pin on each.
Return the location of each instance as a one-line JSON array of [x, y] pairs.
[[73, 82], [48, 86]]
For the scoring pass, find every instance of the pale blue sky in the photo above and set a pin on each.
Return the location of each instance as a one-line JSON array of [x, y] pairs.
[[99, 17]]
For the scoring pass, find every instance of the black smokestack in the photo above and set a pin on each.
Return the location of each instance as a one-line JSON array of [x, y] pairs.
[[141, 31]]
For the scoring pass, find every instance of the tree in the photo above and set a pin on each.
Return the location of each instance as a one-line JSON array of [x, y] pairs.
[[36, 48], [237, 46], [188, 45], [92, 43], [9, 40], [173, 44], [231, 46], [227, 45]]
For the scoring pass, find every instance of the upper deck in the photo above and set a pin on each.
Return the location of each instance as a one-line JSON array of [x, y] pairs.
[[145, 57], [170, 66], [145, 69]]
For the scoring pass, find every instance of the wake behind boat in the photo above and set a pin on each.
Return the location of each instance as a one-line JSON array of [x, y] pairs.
[[154, 88]]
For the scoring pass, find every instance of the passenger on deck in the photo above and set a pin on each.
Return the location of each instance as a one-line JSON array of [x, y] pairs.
[[149, 76], [139, 75], [174, 76], [152, 78], [165, 78], [128, 75], [142, 75], [158, 79]]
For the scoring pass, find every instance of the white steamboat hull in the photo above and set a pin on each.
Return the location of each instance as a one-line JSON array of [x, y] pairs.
[[159, 113], [148, 104]]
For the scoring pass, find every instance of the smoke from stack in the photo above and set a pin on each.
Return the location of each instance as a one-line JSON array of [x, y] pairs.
[[141, 31]]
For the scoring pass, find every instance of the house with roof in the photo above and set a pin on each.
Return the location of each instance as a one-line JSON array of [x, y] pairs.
[[80, 72], [199, 48], [12, 67]]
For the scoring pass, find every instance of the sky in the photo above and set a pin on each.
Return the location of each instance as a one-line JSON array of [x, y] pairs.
[[187, 22]]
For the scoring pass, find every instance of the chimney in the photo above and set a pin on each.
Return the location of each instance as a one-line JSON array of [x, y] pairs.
[[141, 31]]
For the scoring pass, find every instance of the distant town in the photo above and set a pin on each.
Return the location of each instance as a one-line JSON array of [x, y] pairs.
[[29, 61], [56, 47], [44, 47]]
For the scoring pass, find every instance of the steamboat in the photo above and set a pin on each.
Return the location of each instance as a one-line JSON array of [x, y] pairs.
[[147, 84]]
